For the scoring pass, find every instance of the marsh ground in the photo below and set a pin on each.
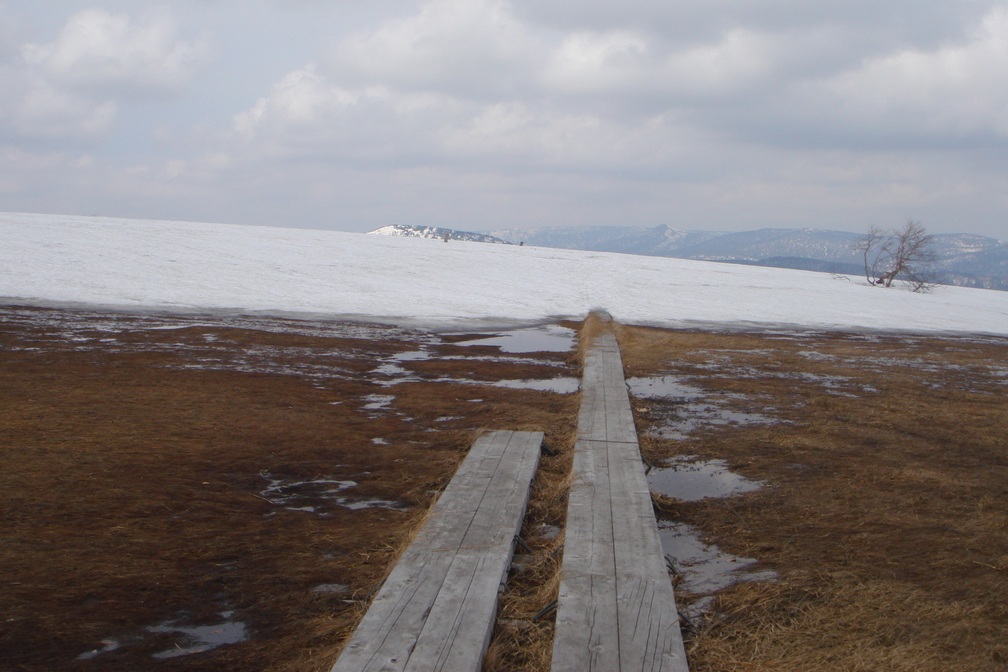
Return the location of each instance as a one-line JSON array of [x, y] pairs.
[[884, 505], [169, 483], [171, 478]]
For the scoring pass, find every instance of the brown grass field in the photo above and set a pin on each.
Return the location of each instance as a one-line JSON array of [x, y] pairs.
[[260, 475], [885, 505]]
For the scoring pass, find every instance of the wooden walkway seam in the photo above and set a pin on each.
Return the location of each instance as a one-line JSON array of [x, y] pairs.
[[436, 610], [616, 609]]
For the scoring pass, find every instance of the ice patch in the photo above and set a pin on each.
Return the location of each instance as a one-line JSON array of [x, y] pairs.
[[200, 638]]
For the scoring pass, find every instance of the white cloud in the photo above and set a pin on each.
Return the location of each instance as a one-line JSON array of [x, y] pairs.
[[741, 60], [306, 113], [521, 137], [598, 62], [50, 113], [470, 46], [105, 53], [728, 114], [957, 89]]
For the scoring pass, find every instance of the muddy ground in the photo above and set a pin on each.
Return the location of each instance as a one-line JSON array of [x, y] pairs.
[[219, 493]]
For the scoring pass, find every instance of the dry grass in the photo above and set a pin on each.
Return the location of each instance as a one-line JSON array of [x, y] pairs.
[[132, 479], [523, 636], [885, 506]]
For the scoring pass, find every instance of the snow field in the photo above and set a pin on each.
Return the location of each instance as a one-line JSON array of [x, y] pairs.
[[183, 266]]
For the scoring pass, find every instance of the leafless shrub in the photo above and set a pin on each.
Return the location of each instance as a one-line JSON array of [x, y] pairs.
[[905, 255]]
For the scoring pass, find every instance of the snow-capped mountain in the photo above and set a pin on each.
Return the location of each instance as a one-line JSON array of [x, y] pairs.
[[436, 233]]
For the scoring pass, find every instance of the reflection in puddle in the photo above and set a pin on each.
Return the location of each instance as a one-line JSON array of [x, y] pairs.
[[687, 412], [704, 568], [200, 638], [690, 479], [546, 338]]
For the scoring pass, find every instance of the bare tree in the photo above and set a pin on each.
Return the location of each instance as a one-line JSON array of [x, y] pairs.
[[904, 255]]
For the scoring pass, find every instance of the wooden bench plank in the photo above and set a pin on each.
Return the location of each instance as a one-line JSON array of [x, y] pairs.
[[616, 608], [437, 607]]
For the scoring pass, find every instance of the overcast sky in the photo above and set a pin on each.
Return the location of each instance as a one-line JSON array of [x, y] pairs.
[[480, 114]]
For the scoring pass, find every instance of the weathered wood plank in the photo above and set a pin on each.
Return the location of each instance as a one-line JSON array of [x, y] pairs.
[[436, 609], [605, 413], [616, 608]]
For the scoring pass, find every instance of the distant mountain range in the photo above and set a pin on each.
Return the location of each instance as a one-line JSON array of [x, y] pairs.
[[965, 260]]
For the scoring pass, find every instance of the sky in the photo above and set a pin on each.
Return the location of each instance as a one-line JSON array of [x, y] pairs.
[[484, 115]]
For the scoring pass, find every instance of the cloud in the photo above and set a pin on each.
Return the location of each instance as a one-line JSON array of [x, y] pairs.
[[50, 113], [73, 89], [474, 47], [519, 137], [100, 53], [639, 67], [307, 114], [958, 89], [950, 96], [728, 114]]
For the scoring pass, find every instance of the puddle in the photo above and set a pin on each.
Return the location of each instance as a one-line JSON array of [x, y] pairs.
[[330, 588], [108, 645], [391, 372], [561, 385], [691, 480], [320, 496], [690, 409], [683, 420], [704, 568], [546, 338], [663, 387], [200, 638]]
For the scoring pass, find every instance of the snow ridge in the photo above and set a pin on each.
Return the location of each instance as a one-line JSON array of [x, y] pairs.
[[436, 233]]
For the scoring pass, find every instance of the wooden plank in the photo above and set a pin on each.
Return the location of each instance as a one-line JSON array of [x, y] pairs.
[[437, 607], [605, 413], [616, 608], [587, 630]]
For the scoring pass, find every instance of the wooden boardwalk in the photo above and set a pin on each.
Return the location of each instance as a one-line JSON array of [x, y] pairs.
[[436, 610], [616, 609]]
